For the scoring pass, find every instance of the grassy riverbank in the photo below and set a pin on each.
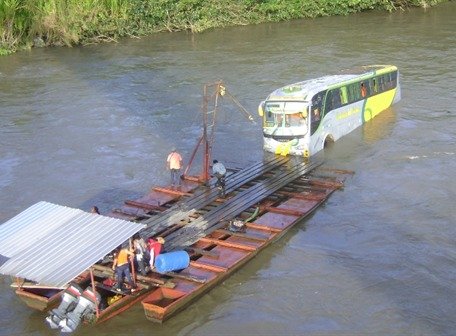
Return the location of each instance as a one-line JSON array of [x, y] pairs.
[[35, 23]]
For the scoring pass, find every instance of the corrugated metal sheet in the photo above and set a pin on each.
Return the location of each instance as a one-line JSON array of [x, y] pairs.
[[28, 227], [53, 244]]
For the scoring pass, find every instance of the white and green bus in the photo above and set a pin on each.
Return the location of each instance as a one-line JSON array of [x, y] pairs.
[[302, 118]]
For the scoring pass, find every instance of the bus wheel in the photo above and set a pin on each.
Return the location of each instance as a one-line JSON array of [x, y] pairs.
[[329, 140]]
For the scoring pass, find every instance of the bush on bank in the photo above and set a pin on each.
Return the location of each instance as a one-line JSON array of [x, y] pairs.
[[27, 23]]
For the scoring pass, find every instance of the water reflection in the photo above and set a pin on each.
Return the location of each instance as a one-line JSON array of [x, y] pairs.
[[379, 127]]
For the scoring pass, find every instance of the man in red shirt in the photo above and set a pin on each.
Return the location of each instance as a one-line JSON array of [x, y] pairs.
[[155, 247]]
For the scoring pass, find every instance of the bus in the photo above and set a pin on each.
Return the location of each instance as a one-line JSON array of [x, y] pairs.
[[303, 118]]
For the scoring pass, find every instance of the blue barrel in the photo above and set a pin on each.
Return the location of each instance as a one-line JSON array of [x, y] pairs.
[[172, 261]]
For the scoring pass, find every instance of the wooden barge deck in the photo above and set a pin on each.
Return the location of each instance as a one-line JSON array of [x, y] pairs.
[[270, 197], [279, 193]]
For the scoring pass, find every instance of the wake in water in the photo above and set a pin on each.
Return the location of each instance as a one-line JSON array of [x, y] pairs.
[[415, 157]]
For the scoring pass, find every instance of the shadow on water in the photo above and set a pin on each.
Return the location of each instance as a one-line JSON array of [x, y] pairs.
[[109, 199]]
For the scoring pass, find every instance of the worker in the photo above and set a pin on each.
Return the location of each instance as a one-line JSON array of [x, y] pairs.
[[95, 210], [174, 164], [121, 266], [219, 171], [141, 253], [155, 248], [363, 90]]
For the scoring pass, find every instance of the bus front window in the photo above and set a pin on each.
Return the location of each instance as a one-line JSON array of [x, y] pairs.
[[269, 118], [285, 114], [296, 119], [278, 120]]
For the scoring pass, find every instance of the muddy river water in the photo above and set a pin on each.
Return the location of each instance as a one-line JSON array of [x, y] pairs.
[[93, 125]]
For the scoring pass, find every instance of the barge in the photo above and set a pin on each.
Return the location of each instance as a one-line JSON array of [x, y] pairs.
[[68, 262], [268, 198]]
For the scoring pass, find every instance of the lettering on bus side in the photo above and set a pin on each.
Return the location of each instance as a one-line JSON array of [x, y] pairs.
[[348, 113]]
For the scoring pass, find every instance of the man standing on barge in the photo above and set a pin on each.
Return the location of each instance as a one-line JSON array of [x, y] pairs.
[[121, 266], [219, 171], [174, 164]]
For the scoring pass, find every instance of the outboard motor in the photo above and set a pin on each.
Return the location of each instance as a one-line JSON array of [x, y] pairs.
[[86, 306], [69, 299]]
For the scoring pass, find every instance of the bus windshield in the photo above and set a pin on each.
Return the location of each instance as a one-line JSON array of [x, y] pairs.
[[285, 114]]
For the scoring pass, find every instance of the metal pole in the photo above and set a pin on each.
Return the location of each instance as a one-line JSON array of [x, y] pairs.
[[205, 139], [92, 279]]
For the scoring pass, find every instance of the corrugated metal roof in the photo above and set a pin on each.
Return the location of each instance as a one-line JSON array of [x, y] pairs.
[[52, 244]]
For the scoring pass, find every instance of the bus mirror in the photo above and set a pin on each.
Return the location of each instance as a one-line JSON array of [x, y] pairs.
[[261, 109], [304, 114]]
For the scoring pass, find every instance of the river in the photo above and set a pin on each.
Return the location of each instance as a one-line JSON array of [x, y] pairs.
[[93, 125]]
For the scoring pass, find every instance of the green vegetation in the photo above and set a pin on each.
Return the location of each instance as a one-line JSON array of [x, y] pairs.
[[27, 23]]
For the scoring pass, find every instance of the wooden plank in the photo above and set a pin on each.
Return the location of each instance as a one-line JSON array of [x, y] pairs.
[[284, 211], [263, 227], [32, 285], [198, 251], [338, 171], [171, 191], [228, 244], [243, 235], [145, 206], [309, 196], [109, 272], [186, 277], [326, 184], [191, 178], [213, 268], [154, 282]]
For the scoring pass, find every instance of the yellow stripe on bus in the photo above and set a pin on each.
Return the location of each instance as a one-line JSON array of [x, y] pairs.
[[378, 103]]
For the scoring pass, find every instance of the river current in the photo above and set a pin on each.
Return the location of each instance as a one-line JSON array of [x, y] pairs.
[[93, 125]]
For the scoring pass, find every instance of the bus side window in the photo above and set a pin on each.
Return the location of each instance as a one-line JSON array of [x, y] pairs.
[[382, 83], [374, 85], [393, 79], [317, 101], [329, 102], [354, 93], [363, 90], [316, 113], [343, 95], [336, 99], [315, 119]]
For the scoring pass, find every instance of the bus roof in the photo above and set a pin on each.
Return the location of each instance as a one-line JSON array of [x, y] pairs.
[[306, 89]]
